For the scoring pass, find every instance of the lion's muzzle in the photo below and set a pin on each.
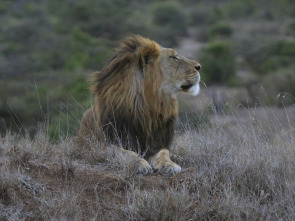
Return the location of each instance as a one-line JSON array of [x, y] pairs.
[[192, 86]]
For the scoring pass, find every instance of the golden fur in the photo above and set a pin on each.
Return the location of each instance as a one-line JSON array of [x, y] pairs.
[[135, 105]]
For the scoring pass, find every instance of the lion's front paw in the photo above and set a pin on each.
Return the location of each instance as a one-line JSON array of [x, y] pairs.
[[161, 163], [166, 167], [144, 167]]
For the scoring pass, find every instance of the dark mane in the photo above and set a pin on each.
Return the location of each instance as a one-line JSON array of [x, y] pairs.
[[131, 108]]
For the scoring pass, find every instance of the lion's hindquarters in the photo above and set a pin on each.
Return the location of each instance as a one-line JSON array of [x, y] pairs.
[[89, 131]]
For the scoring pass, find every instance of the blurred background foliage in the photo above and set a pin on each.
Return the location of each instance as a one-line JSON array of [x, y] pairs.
[[49, 47]]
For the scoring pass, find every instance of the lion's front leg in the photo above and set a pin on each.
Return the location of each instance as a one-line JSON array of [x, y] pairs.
[[161, 162]]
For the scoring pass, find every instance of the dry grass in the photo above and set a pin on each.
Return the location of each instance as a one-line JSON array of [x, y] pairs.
[[239, 166]]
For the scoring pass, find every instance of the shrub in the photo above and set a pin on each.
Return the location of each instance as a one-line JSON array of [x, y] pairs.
[[215, 15], [169, 13], [5, 5], [220, 29], [218, 62], [169, 22], [290, 28], [239, 8], [204, 15], [278, 54], [267, 57], [86, 51], [285, 48], [199, 15]]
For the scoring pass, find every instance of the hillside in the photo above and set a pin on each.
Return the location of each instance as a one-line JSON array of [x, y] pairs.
[[49, 48]]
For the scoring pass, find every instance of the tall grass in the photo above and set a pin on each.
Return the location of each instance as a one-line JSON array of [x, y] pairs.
[[237, 166]]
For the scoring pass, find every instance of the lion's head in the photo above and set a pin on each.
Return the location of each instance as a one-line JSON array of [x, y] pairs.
[[180, 73], [141, 66], [135, 102]]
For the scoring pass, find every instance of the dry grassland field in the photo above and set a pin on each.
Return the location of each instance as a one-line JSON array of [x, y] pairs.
[[236, 166]]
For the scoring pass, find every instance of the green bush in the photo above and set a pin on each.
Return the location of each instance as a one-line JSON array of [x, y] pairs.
[[285, 48], [215, 15], [285, 8], [290, 28], [169, 13], [239, 8], [169, 21], [5, 5], [199, 15], [35, 102], [277, 55], [218, 63], [80, 51], [78, 88], [220, 30]]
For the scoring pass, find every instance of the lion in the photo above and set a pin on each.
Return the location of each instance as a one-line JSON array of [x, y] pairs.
[[135, 105]]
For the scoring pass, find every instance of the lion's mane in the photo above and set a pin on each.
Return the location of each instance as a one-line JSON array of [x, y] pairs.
[[129, 105]]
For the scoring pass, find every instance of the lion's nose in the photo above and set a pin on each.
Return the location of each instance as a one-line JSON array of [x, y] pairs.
[[198, 67]]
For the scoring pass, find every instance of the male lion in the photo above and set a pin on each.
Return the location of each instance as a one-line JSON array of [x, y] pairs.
[[135, 106]]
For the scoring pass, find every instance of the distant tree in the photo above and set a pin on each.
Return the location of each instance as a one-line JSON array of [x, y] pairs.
[[218, 62]]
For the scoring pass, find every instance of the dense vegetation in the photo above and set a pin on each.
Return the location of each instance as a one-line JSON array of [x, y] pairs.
[[48, 48]]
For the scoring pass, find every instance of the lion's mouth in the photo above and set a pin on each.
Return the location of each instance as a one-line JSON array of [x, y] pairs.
[[186, 87], [191, 88]]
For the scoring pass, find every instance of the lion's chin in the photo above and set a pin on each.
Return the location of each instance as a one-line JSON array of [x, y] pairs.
[[191, 89], [194, 90]]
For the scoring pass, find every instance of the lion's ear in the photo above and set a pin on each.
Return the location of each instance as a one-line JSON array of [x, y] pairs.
[[149, 54]]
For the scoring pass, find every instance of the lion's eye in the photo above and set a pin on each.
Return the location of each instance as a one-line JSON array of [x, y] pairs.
[[175, 57]]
